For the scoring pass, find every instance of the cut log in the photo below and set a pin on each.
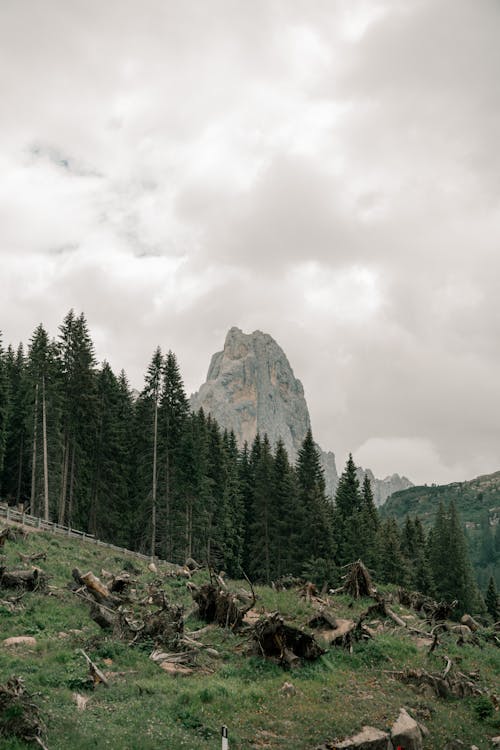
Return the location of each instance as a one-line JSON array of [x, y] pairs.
[[32, 558], [95, 586], [95, 673], [31, 580], [323, 620]]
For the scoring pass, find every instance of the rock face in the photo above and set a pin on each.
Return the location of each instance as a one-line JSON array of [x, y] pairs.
[[383, 488], [251, 388]]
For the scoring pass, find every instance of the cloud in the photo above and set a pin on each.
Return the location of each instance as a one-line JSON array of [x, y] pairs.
[[325, 172]]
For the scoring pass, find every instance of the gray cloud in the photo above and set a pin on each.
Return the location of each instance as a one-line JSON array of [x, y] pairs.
[[326, 172]]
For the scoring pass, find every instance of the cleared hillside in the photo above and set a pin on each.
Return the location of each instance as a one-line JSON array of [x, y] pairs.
[[147, 708]]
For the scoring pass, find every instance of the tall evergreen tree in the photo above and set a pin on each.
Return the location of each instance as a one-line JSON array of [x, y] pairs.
[[173, 414], [450, 562], [316, 541], [109, 509], [492, 600], [348, 505], [16, 476], [262, 512], [79, 408], [4, 407]]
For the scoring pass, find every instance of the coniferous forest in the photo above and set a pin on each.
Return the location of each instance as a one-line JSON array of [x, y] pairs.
[[145, 472]]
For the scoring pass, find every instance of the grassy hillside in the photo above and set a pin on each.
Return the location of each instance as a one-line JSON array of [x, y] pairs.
[[145, 708], [473, 500]]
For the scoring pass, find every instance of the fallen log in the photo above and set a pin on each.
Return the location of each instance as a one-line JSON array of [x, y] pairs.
[[31, 580], [286, 644], [7, 534], [449, 684], [32, 558], [95, 673]]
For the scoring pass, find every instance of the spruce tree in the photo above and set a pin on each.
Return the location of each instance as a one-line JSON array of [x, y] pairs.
[[16, 476], [4, 408], [492, 600], [392, 566], [262, 522], [450, 562], [316, 539], [348, 505], [79, 415], [288, 513]]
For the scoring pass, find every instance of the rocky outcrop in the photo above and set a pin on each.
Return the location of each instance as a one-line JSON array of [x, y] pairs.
[[251, 388], [383, 488]]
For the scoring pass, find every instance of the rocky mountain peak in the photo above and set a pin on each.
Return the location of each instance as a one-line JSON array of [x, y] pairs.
[[251, 388]]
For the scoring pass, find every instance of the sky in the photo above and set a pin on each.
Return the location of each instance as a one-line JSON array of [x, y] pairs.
[[325, 171]]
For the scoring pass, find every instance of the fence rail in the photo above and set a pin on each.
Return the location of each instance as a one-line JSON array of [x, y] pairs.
[[25, 519]]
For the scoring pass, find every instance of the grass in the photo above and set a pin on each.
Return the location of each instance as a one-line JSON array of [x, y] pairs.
[[146, 709]]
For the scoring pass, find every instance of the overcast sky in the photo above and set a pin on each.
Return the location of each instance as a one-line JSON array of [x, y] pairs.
[[327, 171]]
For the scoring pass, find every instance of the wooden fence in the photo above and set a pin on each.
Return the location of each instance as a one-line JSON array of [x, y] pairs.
[[10, 514]]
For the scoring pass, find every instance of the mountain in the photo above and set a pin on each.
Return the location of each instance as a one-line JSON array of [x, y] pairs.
[[478, 503], [474, 499], [251, 388]]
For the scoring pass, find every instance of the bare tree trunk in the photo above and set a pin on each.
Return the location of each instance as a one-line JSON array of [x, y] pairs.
[[189, 528], [45, 460], [71, 485], [153, 510], [168, 536], [20, 475], [64, 483], [33, 464]]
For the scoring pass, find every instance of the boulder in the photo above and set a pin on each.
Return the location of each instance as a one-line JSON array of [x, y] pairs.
[[369, 738], [406, 732], [20, 640]]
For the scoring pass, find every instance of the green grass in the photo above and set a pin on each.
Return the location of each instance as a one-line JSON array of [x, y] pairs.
[[146, 709]]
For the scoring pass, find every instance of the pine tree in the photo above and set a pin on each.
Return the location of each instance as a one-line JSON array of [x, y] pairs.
[[172, 422], [79, 419], [262, 516], [4, 408], [288, 515], [450, 562], [16, 476], [492, 600], [151, 396], [392, 567], [43, 422], [365, 526], [348, 505], [316, 539], [109, 516]]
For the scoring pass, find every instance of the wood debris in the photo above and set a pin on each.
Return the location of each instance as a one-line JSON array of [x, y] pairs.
[[19, 715], [275, 639]]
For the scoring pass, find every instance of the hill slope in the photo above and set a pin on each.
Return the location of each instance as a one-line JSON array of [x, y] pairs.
[[145, 708]]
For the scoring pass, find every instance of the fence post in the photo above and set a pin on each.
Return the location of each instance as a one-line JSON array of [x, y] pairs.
[[225, 740]]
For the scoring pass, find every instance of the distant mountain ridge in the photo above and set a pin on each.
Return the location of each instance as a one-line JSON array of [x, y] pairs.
[[251, 388]]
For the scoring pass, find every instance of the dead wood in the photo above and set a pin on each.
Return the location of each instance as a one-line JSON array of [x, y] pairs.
[[428, 608], [449, 684], [357, 581], [192, 565], [120, 584], [31, 580], [287, 582], [9, 534], [32, 558], [221, 606], [19, 715], [94, 672], [308, 591], [323, 620], [275, 639]]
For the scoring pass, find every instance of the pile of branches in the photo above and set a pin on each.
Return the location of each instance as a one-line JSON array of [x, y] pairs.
[[357, 581], [287, 645], [428, 608], [449, 684], [19, 716], [113, 608]]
